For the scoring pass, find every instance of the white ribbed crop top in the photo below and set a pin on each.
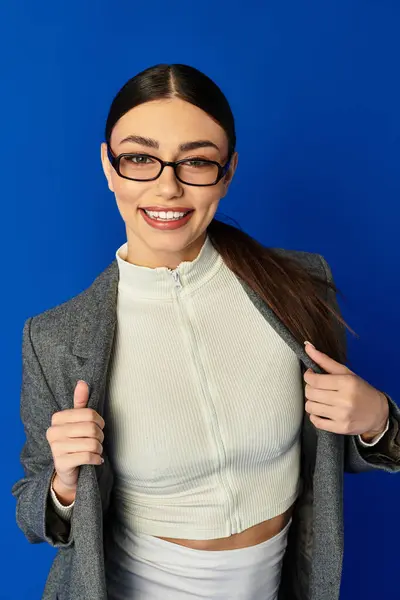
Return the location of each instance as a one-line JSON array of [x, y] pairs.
[[204, 403]]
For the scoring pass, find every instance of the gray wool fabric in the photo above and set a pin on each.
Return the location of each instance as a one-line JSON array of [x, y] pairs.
[[74, 341]]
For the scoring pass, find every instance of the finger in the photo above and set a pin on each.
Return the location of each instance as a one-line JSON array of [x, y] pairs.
[[324, 381], [326, 424], [327, 397], [320, 410], [74, 446], [81, 394], [325, 362], [76, 430], [68, 462], [76, 415]]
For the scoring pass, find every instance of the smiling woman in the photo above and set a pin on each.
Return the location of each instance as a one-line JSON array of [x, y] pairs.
[[191, 468]]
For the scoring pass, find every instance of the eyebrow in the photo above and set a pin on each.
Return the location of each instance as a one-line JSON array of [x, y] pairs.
[[150, 143]]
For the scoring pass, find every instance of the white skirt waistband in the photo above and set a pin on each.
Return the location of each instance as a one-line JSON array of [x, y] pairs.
[[143, 567]]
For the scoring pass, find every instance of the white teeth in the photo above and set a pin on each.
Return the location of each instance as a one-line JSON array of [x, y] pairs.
[[165, 216]]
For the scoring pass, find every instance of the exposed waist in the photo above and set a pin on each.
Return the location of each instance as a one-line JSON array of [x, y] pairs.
[[257, 534]]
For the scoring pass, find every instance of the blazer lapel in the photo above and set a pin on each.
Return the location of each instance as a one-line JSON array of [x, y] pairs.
[[93, 327], [94, 333]]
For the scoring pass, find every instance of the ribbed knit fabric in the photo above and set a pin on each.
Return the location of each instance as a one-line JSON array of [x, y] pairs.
[[204, 404]]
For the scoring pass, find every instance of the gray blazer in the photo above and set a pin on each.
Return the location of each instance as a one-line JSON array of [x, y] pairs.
[[74, 341]]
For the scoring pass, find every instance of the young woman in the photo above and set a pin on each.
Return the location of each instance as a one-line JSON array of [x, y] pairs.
[[182, 440]]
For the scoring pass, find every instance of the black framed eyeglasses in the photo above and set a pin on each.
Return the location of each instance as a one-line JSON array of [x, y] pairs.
[[139, 166]]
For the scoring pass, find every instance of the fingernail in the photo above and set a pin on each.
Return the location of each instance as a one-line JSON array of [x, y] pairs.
[[88, 384], [102, 459], [307, 342]]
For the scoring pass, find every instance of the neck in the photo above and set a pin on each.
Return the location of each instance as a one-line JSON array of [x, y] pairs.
[[143, 255]]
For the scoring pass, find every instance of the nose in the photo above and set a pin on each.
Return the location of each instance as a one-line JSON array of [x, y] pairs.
[[168, 185]]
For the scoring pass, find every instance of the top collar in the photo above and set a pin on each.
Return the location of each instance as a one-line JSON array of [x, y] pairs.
[[160, 282]]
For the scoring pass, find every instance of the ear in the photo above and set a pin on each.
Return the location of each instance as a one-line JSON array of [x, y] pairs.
[[106, 165], [230, 173]]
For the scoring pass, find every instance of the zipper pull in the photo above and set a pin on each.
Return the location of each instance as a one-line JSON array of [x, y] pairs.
[[175, 275]]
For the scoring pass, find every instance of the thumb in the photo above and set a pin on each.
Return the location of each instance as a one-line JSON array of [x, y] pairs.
[[81, 394]]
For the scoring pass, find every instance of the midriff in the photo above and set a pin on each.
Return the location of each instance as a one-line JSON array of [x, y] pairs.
[[250, 537]]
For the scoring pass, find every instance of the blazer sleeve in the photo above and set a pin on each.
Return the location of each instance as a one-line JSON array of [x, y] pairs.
[[35, 512], [385, 455]]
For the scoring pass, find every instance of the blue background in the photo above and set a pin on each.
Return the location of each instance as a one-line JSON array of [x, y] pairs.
[[315, 90]]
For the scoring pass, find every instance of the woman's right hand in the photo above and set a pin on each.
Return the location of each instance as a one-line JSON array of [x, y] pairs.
[[75, 437]]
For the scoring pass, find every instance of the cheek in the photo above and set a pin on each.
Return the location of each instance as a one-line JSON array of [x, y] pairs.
[[206, 199], [128, 194]]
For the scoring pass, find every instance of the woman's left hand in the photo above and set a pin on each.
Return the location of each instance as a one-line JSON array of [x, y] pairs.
[[350, 405]]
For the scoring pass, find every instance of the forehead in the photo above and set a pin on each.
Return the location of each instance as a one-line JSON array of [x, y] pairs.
[[171, 122]]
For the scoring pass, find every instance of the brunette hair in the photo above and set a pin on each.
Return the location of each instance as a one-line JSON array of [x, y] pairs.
[[302, 300]]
